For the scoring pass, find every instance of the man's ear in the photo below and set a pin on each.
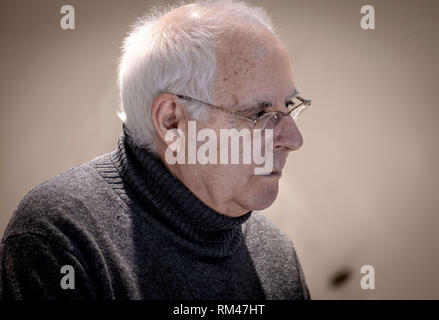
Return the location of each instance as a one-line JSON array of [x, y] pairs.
[[167, 114]]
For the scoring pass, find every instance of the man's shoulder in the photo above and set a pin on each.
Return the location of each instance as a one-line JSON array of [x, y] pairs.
[[71, 185], [62, 199], [275, 259], [262, 232], [268, 244]]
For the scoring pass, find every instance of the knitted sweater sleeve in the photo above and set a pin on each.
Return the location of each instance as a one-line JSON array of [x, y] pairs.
[[33, 267], [41, 253]]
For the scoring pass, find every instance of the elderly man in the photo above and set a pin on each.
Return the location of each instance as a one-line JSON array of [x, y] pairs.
[[133, 223]]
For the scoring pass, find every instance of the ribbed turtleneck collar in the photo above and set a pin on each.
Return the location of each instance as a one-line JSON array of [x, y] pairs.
[[186, 220]]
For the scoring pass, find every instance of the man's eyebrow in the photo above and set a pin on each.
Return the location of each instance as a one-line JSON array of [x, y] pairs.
[[259, 105], [295, 93]]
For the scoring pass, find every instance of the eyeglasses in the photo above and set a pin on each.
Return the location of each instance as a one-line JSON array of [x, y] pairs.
[[264, 120]]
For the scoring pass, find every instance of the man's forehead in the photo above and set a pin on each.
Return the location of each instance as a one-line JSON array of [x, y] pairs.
[[254, 86], [253, 70]]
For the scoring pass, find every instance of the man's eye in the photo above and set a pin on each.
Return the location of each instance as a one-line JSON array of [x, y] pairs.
[[258, 115], [290, 104]]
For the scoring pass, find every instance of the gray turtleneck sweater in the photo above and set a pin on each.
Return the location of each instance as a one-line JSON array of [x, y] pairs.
[[131, 230]]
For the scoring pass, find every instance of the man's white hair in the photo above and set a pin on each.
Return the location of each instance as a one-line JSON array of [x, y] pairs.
[[178, 57]]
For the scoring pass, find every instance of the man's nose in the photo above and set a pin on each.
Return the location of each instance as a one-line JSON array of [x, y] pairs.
[[287, 135]]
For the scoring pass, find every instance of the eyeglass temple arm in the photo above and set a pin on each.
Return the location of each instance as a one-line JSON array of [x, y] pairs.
[[304, 102], [215, 107]]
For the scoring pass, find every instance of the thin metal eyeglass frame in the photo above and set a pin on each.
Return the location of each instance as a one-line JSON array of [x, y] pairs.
[[304, 102]]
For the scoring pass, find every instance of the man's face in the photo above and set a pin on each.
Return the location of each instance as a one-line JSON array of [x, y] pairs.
[[252, 66]]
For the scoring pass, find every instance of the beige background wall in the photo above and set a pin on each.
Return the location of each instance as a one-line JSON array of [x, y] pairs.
[[362, 190]]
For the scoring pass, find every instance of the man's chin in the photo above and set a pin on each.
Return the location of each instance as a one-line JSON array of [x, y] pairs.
[[265, 197]]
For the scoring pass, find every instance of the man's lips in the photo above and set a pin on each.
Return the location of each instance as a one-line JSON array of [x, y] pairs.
[[276, 173], [272, 174]]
